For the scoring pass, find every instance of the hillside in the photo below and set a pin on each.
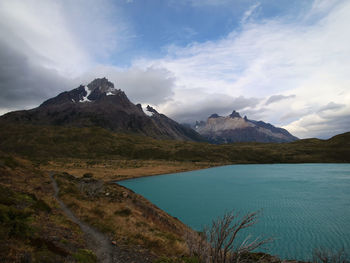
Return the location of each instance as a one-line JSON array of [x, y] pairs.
[[85, 161], [35, 228], [50, 142]]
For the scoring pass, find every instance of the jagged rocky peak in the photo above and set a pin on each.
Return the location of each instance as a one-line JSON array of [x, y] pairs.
[[99, 87], [138, 105], [102, 84], [235, 114], [234, 128], [99, 104], [214, 116], [151, 109]]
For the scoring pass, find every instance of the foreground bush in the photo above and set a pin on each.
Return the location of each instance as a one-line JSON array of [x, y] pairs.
[[219, 243], [322, 255]]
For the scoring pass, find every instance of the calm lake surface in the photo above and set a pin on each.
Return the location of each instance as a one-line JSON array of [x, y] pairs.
[[304, 205]]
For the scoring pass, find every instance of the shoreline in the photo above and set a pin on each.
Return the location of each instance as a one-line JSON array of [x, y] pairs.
[[210, 167], [174, 170], [307, 164], [160, 174]]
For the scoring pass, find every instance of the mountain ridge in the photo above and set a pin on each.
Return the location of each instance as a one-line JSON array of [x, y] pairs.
[[100, 104], [233, 128]]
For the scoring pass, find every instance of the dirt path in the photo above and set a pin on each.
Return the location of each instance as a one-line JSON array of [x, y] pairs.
[[97, 241]]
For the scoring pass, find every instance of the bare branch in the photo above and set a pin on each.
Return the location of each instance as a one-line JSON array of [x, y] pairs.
[[322, 255], [217, 244]]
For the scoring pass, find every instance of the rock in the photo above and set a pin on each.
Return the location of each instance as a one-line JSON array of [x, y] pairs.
[[235, 114], [234, 128], [152, 110], [90, 186], [138, 105], [214, 116]]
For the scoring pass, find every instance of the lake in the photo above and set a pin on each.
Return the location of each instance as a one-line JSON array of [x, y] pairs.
[[304, 206]]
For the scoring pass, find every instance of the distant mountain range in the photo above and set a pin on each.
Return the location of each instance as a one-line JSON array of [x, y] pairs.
[[100, 104], [233, 128]]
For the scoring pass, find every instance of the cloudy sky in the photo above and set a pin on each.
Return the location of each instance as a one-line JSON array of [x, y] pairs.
[[286, 62]]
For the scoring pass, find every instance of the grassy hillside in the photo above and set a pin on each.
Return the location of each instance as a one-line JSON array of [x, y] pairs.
[[49, 142], [34, 228]]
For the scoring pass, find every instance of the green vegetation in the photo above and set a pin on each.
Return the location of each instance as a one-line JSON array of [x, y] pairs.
[[15, 213], [85, 256], [14, 223], [31, 226], [48, 142]]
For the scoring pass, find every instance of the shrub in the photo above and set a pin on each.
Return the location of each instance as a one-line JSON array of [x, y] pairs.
[[42, 206], [88, 175], [218, 243], [123, 212], [14, 222], [9, 161], [85, 256]]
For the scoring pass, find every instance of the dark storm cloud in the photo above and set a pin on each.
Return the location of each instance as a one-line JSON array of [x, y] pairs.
[[276, 98], [23, 84]]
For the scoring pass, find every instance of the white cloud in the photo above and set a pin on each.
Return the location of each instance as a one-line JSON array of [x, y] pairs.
[[309, 59], [148, 86], [276, 98], [198, 3], [62, 35], [45, 44], [249, 13]]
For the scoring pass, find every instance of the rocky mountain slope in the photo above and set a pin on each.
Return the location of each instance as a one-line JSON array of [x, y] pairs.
[[234, 128], [100, 104]]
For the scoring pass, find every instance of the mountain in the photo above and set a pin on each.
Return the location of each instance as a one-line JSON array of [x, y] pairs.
[[100, 104], [233, 128]]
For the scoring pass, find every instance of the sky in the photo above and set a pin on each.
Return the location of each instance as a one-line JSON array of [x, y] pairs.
[[285, 62]]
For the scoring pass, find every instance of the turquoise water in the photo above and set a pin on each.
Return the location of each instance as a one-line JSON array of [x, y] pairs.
[[304, 206]]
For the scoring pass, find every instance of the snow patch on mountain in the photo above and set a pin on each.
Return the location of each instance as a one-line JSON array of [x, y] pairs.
[[85, 98]]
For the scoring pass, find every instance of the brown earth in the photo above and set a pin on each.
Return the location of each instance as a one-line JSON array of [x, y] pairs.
[[90, 218], [116, 170]]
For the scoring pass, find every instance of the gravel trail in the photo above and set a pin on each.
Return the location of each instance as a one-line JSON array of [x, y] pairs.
[[97, 241]]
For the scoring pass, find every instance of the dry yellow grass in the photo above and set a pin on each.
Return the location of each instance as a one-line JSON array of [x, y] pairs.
[[117, 170], [128, 218]]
